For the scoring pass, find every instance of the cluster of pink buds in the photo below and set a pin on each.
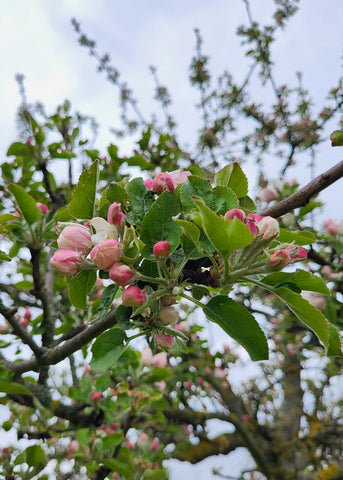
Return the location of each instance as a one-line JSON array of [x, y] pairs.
[[165, 181], [267, 228], [284, 256], [331, 227]]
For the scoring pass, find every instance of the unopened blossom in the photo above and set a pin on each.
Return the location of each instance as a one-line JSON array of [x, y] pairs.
[[220, 373], [280, 258], [146, 354], [66, 261], [164, 340], [73, 446], [133, 297], [43, 208], [300, 254], [252, 227], [27, 314], [143, 439], [159, 360], [268, 194], [95, 396], [24, 322], [154, 444], [163, 182], [115, 216], [168, 315], [179, 177], [121, 274], [148, 183], [268, 228], [161, 249], [75, 237], [235, 213], [105, 254], [331, 227], [183, 327], [161, 385]]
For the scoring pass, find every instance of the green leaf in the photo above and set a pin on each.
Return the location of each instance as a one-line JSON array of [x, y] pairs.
[[107, 348], [302, 279], [158, 224], [118, 466], [6, 217], [239, 324], [224, 199], [80, 286], [63, 215], [19, 149], [226, 235], [233, 176], [335, 347], [26, 203], [107, 297], [82, 204], [4, 257], [336, 138], [112, 440], [141, 199], [247, 203], [34, 455], [12, 387], [157, 474], [116, 193], [306, 313], [191, 231], [199, 187], [123, 318], [299, 238]]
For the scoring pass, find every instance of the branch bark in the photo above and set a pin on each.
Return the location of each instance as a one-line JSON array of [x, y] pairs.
[[304, 194]]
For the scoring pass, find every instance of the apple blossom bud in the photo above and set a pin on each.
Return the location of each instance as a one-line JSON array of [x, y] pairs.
[[121, 274], [168, 315], [179, 177], [154, 444], [66, 261], [146, 356], [115, 476], [235, 212], [73, 446], [163, 182], [252, 227], [105, 254], [75, 237], [220, 373], [164, 341], [280, 258], [268, 194], [300, 254], [326, 271], [143, 439], [188, 384], [129, 445], [27, 314], [255, 217], [95, 396], [133, 297], [25, 322], [161, 249], [44, 209], [207, 371], [161, 385], [148, 183], [115, 215], [268, 228], [331, 227], [159, 360]]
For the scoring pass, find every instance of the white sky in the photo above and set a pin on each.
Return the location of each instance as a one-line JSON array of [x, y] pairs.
[[36, 39]]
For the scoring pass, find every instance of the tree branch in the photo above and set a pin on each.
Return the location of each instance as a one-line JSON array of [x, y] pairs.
[[303, 196]]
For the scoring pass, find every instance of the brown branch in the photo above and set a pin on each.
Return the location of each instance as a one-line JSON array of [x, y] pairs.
[[304, 194], [59, 353]]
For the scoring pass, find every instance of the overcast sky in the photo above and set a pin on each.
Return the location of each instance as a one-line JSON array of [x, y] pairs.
[[36, 39]]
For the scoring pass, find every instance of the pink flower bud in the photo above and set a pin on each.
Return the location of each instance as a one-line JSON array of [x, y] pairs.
[[331, 227], [44, 209], [162, 182], [121, 274], [129, 445], [326, 271], [188, 384], [133, 297], [280, 258], [75, 237], [115, 215], [235, 212], [95, 396], [268, 228], [143, 439], [179, 177], [220, 373], [255, 217], [148, 183], [252, 227], [146, 356], [115, 476], [105, 254], [161, 249], [207, 371], [27, 314], [183, 327], [268, 194], [300, 254], [159, 360], [168, 315], [161, 385], [154, 444], [25, 322], [164, 341], [66, 261], [73, 446]]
